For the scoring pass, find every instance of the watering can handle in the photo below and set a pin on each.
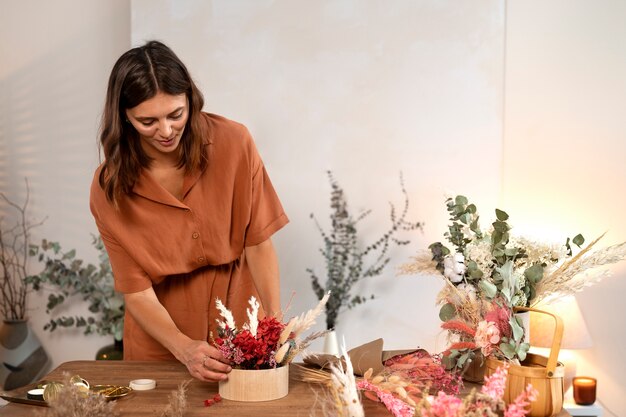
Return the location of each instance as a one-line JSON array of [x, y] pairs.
[[556, 340]]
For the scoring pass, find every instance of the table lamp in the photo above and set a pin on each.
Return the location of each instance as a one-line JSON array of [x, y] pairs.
[[575, 334]]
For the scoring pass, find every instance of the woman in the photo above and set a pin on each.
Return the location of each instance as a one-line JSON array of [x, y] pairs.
[[185, 209]]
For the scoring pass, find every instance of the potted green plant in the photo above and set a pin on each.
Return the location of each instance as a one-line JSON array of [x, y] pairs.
[[22, 356], [347, 260], [67, 277]]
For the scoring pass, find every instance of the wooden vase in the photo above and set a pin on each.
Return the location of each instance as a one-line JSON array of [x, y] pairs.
[[255, 385]]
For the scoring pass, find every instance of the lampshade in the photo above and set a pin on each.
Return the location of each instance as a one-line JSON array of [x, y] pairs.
[[575, 333]]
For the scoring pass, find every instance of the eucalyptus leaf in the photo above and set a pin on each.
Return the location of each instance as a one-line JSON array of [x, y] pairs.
[[447, 312], [501, 215], [497, 237], [454, 353], [461, 361], [578, 240], [448, 362], [488, 288], [522, 351], [508, 350], [534, 274], [518, 331]]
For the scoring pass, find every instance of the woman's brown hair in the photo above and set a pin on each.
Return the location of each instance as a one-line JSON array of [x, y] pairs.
[[138, 75]]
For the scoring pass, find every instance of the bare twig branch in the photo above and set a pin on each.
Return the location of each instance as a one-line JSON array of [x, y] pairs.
[[14, 247]]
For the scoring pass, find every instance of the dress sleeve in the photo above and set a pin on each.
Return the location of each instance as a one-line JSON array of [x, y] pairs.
[[128, 276], [267, 215]]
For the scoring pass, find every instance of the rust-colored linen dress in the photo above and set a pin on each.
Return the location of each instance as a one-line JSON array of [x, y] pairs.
[[191, 250]]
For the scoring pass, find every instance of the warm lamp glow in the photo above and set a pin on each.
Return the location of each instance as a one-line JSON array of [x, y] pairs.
[[575, 333]]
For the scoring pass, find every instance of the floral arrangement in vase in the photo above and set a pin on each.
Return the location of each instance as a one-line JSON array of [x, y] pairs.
[[266, 343], [488, 273]]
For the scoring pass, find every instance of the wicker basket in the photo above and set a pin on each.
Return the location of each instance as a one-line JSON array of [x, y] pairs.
[[256, 385], [544, 374]]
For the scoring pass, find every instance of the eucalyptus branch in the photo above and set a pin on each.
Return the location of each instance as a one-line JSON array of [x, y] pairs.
[[346, 262], [68, 277]]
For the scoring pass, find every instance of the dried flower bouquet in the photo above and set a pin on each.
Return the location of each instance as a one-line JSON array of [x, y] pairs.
[[489, 272], [267, 343], [399, 395]]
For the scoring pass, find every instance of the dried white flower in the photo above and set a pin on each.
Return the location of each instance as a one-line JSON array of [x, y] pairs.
[[229, 320], [454, 267], [253, 313]]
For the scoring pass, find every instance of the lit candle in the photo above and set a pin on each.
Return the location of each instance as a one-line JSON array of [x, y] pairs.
[[584, 390]]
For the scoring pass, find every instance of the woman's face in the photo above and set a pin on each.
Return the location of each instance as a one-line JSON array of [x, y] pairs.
[[160, 122]]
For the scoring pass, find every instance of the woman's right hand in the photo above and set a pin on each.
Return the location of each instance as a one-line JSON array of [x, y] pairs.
[[204, 361]]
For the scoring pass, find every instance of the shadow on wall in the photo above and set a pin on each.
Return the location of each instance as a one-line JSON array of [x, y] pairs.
[[48, 124]]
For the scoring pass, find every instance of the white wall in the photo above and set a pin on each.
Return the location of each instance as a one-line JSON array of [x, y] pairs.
[[564, 148], [55, 61], [364, 88]]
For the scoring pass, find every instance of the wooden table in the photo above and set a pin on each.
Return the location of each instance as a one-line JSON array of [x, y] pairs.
[[303, 399]]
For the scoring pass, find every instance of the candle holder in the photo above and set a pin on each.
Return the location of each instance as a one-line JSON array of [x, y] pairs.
[[584, 390]]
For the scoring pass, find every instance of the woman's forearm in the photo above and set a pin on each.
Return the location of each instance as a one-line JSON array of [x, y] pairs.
[[154, 319], [263, 264], [203, 361]]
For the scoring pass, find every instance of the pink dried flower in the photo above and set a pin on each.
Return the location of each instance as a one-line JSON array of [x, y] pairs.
[[487, 336], [397, 407], [444, 405], [496, 383], [459, 326], [519, 407], [460, 346], [422, 369], [500, 316]]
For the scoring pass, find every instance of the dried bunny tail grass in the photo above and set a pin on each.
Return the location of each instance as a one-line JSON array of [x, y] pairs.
[[306, 320], [422, 264], [178, 402], [284, 335], [253, 313], [229, 320], [281, 352], [573, 276], [343, 387], [343, 395], [74, 402]]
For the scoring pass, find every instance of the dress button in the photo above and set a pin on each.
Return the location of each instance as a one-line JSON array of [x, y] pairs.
[[200, 259]]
